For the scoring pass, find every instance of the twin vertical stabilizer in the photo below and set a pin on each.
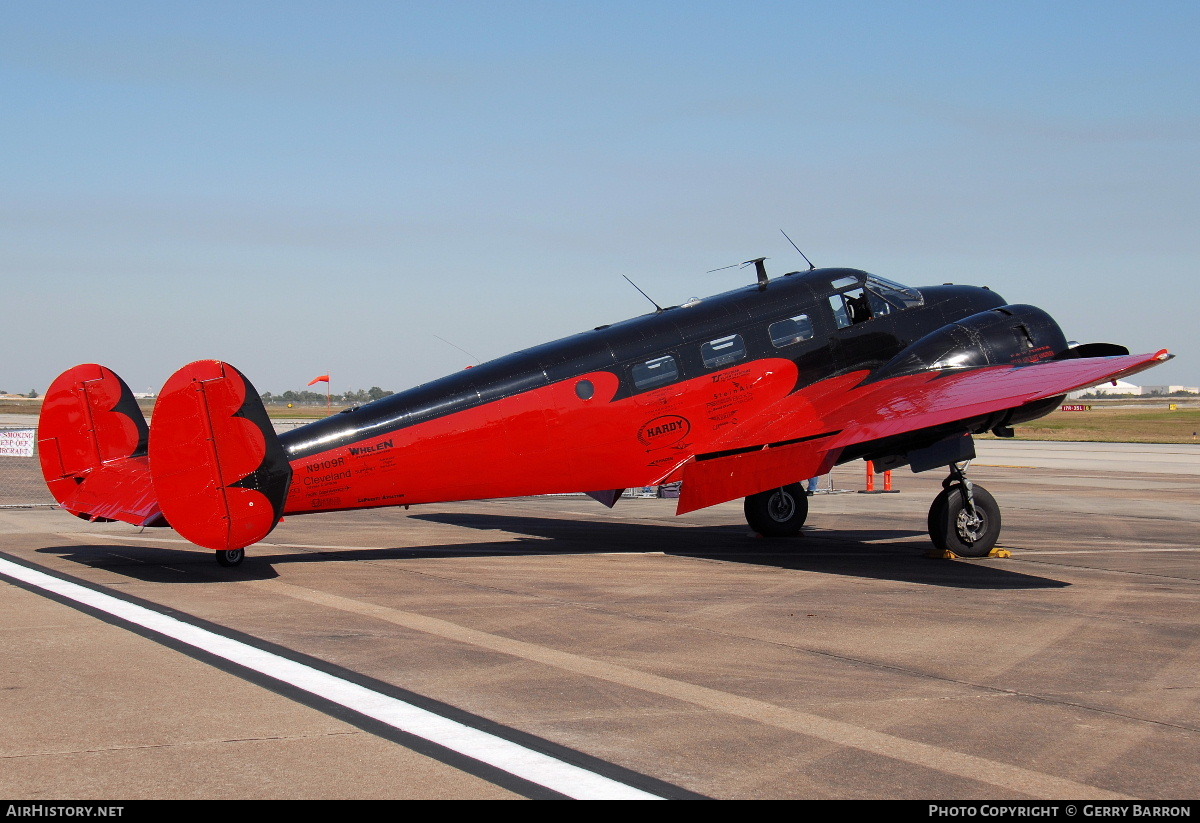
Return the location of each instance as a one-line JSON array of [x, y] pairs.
[[209, 464]]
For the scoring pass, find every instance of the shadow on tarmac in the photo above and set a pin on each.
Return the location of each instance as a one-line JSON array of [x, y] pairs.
[[881, 554]]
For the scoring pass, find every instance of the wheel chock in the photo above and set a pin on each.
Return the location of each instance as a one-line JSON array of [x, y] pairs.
[[946, 554]]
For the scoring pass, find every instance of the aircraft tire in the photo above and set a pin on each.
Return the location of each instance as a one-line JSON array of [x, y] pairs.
[[937, 516], [950, 528], [231, 557], [778, 512]]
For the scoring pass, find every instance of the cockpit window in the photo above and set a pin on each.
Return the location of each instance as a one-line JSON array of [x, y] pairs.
[[902, 297], [850, 307], [879, 306], [878, 298]]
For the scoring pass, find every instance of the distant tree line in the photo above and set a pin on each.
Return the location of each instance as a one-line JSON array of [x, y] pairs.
[[312, 398]]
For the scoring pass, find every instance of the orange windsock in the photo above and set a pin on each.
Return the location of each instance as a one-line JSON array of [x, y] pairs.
[[322, 379]]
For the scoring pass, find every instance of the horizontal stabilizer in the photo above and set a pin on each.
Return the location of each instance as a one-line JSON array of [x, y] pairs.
[[219, 470]]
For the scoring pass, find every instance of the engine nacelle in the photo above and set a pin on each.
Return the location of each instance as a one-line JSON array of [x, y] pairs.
[[1008, 335]]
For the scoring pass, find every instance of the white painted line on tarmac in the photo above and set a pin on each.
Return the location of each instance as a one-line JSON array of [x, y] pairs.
[[527, 764]]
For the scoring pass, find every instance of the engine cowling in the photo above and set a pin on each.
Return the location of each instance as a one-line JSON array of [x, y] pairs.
[[1016, 334]]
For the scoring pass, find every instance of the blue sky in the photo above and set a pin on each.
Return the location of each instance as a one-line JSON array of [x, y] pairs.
[[303, 187]]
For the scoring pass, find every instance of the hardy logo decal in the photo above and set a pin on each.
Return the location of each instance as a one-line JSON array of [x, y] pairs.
[[663, 431]]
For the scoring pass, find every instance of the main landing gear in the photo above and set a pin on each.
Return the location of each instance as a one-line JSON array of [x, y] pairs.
[[964, 518], [778, 512]]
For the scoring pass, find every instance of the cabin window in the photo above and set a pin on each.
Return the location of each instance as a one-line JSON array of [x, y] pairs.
[[790, 330], [657, 372], [723, 351], [585, 390]]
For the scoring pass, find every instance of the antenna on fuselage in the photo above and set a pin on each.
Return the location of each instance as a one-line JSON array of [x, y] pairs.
[[797, 248], [460, 348], [648, 297], [759, 268]]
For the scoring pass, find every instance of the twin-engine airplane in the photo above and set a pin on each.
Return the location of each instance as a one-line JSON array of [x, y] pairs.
[[744, 394]]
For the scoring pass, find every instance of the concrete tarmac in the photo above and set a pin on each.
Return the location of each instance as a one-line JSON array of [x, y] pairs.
[[844, 663], [1116, 458]]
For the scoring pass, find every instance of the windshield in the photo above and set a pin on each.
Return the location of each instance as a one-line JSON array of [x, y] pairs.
[[902, 297]]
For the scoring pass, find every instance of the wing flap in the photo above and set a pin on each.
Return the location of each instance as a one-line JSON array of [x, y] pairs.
[[707, 482]]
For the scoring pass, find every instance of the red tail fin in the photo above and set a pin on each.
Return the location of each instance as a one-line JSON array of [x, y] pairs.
[[219, 471], [92, 442]]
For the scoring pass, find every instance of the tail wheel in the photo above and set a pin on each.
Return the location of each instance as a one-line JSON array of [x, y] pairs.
[[952, 526], [778, 512], [231, 557]]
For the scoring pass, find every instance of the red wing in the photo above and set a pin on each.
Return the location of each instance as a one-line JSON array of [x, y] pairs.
[[842, 412], [905, 404]]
